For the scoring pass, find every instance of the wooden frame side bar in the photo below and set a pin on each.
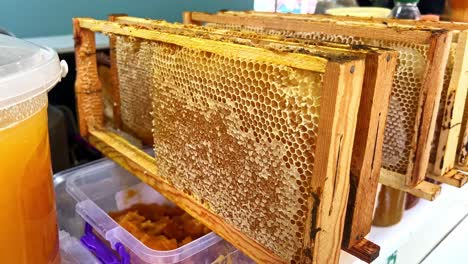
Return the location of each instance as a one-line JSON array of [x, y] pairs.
[[330, 184], [439, 49], [453, 111], [87, 86], [454, 177], [365, 250], [307, 25], [463, 147], [367, 147], [117, 116], [144, 167], [425, 190]]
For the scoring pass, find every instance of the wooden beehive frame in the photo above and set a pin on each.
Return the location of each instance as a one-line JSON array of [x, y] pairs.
[[365, 167], [450, 165], [342, 83], [438, 41]]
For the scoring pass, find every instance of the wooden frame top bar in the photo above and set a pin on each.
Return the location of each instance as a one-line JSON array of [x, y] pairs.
[[301, 61], [384, 32], [261, 39], [387, 22]]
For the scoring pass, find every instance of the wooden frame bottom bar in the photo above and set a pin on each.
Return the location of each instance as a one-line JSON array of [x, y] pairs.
[[365, 250], [454, 177], [144, 167], [425, 190]]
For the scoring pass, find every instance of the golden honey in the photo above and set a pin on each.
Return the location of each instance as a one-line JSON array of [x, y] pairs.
[[28, 225], [390, 207]]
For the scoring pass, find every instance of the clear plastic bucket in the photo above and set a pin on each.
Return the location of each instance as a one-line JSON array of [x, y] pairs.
[[28, 224]]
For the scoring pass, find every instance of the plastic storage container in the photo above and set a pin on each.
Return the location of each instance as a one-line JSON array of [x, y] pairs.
[[102, 187], [28, 216], [73, 252]]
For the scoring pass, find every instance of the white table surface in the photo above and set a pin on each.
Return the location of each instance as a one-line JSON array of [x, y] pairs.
[[426, 232]]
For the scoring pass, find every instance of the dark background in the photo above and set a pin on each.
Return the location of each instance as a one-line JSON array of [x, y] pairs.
[[425, 6]]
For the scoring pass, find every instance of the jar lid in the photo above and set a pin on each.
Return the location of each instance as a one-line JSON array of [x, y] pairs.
[[26, 70]]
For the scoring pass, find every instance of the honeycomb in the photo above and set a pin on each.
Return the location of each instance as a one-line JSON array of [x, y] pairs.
[[236, 134], [401, 127], [135, 87]]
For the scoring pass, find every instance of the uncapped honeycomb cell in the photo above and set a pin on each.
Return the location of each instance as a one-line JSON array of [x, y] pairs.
[[134, 86], [400, 136], [238, 135]]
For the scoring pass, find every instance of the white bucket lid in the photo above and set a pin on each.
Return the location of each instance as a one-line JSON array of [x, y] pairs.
[[26, 70]]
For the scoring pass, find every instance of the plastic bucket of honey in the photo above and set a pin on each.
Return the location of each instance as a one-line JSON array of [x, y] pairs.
[[28, 225]]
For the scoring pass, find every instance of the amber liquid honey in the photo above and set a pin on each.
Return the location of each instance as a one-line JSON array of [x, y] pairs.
[[459, 10], [390, 207], [28, 225]]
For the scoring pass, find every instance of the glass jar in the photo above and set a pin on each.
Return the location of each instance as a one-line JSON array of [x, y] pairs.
[[346, 3], [411, 201], [28, 224], [324, 5], [390, 207], [406, 9], [459, 10]]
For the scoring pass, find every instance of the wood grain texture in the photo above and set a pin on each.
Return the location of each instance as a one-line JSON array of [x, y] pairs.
[[424, 189], [222, 48], [87, 86], [187, 19], [144, 167], [367, 146], [453, 110], [454, 177], [379, 22], [463, 148], [330, 185], [117, 117], [304, 25], [365, 250], [429, 101]]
